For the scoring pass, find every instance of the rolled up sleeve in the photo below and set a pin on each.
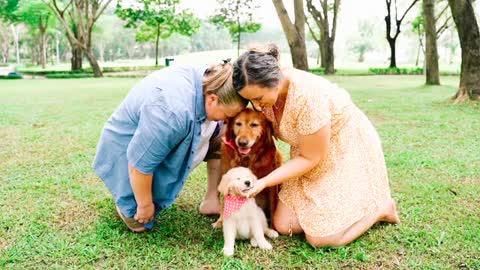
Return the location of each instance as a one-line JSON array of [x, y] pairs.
[[159, 131]]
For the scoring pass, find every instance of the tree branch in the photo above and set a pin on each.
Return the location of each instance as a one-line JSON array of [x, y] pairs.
[[408, 9], [336, 7]]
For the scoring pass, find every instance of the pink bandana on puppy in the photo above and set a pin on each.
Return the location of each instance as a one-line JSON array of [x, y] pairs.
[[233, 204]]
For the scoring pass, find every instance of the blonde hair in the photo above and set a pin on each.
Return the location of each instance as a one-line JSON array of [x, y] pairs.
[[218, 81]]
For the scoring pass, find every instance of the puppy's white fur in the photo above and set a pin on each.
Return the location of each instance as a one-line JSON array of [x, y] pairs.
[[249, 222]]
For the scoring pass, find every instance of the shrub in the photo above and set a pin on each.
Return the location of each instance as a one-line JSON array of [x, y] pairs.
[[12, 76], [396, 71], [319, 71], [69, 75]]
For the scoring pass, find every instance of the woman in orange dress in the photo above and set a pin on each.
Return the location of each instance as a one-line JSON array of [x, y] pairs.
[[335, 186]]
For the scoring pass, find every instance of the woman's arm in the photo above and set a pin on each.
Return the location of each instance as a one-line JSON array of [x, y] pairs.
[[142, 190], [313, 149]]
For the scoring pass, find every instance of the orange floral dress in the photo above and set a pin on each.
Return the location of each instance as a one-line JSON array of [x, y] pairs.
[[352, 181]]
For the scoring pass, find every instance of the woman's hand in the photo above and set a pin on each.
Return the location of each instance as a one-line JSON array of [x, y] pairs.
[[145, 213], [259, 186]]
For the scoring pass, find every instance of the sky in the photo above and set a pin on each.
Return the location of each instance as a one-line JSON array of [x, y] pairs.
[[351, 10]]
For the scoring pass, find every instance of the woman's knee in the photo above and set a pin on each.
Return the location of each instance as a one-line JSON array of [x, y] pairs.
[[285, 222], [335, 240], [281, 226]]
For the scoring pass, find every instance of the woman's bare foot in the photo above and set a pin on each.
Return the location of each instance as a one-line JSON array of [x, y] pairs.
[[389, 213], [210, 207]]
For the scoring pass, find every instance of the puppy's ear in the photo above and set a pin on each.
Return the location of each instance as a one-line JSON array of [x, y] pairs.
[[224, 184]]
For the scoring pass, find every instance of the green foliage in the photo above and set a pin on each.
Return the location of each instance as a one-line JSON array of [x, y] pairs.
[[237, 17], [157, 19], [35, 12], [318, 71], [396, 71], [68, 75], [7, 10]]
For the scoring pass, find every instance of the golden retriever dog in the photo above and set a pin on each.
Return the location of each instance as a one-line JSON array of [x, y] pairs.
[[242, 218], [248, 142]]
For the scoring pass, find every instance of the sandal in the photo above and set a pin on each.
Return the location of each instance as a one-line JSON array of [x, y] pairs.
[[131, 223]]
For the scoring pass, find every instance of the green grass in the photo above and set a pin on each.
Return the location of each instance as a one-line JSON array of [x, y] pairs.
[[55, 213]]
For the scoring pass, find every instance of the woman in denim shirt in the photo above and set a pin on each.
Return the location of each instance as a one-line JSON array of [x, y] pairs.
[[157, 136]]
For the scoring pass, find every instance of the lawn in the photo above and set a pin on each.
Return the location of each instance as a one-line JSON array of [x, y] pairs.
[[55, 213]]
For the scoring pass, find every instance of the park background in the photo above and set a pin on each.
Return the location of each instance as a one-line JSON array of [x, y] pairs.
[[58, 87]]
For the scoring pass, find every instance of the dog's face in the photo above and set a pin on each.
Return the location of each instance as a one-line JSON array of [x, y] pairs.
[[248, 128], [237, 182]]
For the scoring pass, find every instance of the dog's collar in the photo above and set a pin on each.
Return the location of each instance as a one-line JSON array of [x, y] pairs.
[[233, 204], [229, 143]]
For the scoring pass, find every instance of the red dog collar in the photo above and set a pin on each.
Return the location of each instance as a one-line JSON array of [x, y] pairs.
[[229, 143], [232, 205]]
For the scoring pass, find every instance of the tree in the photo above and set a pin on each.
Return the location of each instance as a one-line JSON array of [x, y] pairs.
[[237, 17], [431, 67], [326, 38], [157, 19], [83, 14], [4, 42], [8, 15], [37, 16], [468, 33], [362, 42], [398, 22], [295, 32]]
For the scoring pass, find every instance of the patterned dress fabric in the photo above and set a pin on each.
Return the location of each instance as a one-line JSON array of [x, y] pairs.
[[352, 181]]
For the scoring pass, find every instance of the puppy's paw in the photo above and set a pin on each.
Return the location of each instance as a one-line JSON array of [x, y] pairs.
[[228, 251], [217, 224], [265, 245], [253, 242], [272, 234]]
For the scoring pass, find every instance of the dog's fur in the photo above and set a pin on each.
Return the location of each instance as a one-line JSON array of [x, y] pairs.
[[249, 222], [251, 134]]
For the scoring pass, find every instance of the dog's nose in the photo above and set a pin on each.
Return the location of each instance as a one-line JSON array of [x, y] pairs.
[[242, 143], [247, 183]]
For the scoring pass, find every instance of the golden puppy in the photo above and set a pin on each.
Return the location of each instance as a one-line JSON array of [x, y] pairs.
[[242, 218]]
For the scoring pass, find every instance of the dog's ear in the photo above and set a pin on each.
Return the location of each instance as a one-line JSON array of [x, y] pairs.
[[229, 134], [268, 133], [224, 184]]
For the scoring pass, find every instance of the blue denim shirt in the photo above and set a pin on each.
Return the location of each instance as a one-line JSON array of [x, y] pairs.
[[157, 129]]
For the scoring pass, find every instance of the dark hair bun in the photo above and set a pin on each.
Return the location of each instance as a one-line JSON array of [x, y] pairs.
[[273, 51], [270, 49]]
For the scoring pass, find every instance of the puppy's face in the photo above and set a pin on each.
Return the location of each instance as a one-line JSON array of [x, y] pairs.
[[237, 182], [248, 128]]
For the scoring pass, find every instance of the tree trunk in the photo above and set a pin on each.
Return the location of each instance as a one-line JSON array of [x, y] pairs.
[[239, 33], [77, 58], [330, 59], [157, 40], [295, 33], [97, 71], [299, 54], [393, 59], [432, 72], [43, 50], [57, 48], [468, 32], [15, 40]]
